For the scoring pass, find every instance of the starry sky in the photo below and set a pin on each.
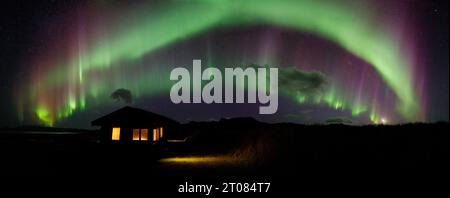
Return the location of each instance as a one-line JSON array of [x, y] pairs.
[[366, 62]]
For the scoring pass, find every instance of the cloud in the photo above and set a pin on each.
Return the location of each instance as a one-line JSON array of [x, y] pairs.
[[293, 81], [339, 120], [122, 95], [298, 118]]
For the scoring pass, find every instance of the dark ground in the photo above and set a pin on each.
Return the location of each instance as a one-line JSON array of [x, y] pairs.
[[328, 159]]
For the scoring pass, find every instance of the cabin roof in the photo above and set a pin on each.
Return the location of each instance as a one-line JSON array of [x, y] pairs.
[[129, 116]]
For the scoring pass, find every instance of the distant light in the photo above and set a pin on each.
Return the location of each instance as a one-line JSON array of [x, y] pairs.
[[383, 121]]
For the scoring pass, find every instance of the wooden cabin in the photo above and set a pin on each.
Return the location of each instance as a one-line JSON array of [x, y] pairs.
[[133, 125]]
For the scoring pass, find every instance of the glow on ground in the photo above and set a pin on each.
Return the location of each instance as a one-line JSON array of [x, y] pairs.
[[202, 160]]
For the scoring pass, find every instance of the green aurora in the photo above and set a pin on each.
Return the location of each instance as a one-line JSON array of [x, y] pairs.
[[141, 33]]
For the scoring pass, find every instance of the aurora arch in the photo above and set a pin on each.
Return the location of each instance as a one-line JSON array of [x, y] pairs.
[[143, 33]]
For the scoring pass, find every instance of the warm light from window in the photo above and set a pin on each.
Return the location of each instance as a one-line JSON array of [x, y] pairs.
[[144, 134], [135, 134], [155, 135], [116, 133]]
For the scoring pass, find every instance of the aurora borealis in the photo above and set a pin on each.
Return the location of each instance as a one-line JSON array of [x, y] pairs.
[[366, 50]]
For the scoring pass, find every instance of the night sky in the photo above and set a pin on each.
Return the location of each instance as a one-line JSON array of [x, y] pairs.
[[361, 61]]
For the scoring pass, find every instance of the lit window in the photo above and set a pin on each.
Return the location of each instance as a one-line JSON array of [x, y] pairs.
[[140, 134], [116, 133], [155, 135], [144, 134], [135, 134]]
